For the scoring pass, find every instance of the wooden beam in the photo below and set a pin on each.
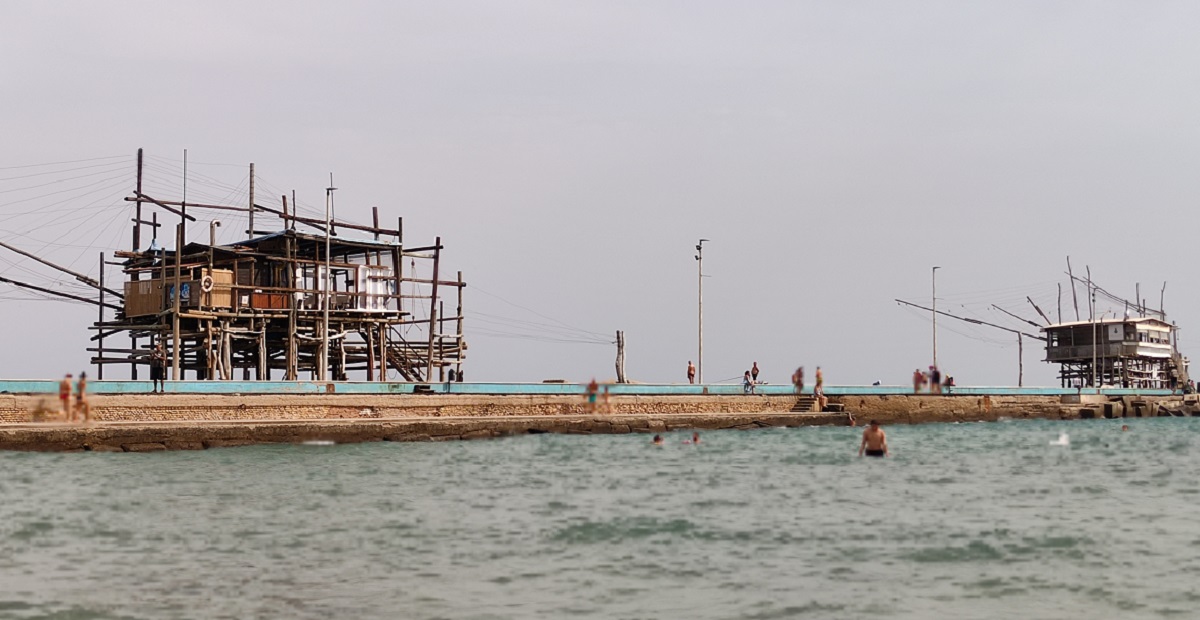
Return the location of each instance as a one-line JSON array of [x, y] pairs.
[[166, 206]]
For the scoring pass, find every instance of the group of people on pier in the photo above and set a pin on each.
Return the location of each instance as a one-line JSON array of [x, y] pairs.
[[77, 408], [932, 378]]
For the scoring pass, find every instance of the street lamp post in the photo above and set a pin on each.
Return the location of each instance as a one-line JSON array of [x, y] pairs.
[[328, 283], [700, 309], [934, 313]]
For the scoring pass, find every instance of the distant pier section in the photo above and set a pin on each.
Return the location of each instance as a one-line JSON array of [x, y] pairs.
[[208, 414]]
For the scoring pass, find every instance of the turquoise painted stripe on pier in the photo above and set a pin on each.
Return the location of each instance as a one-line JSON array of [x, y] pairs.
[[530, 389]]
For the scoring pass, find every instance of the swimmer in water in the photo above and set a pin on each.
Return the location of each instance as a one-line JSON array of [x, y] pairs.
[[658, 440], [1124, 427], [694, 440], [874, 441]]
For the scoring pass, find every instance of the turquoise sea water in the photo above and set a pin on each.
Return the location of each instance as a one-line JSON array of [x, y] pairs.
[[965, 521]]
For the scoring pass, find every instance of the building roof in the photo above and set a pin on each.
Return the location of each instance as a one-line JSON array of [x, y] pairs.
[[1111, 321], [335, 239]]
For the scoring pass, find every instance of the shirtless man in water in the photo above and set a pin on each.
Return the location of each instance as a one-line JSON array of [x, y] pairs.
[[874, 441]]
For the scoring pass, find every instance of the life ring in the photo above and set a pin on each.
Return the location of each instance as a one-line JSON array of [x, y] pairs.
[[206, 284]]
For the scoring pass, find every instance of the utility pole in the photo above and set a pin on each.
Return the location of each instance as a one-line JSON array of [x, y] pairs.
[[934, 314], [700, 310], [328, 283], [1092, 318]]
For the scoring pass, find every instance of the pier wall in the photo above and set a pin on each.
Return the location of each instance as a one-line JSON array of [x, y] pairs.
[[139, 422]]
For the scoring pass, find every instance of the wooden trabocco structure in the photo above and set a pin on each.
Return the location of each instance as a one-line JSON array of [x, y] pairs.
[[286, 303], [1137, 352]]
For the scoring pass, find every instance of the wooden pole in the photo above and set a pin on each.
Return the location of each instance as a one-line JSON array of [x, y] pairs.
[[429, 351], [620, 356], [1060, 302], [459, 314], [183, 216], [369, 332], [1074, 297], [250, 207], [137, 222], [264, 370], [179, 232], [383, 351], [100, 365], [137, 247], [1039, 310], [78, 276], [210, 364], [1020, 360], [433, 300], [441, 354]]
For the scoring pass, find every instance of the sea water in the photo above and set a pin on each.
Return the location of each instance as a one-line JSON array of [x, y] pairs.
[[963, 521]]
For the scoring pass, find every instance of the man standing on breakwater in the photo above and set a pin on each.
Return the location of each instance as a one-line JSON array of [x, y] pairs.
[[158, 368], [918, 381], [82, 405], [691, 372], [819, 390], [874, 441], [754, 372], [798, 380]]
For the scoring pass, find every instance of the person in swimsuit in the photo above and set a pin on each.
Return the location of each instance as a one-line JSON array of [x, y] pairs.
[[691, 372], [754, 372], [64, 398], [592, 389], [798, 379], [82, 406], [658, 440], [874, 441]]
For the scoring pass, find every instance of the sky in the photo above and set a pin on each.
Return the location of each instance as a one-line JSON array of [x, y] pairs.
[[571, 154]]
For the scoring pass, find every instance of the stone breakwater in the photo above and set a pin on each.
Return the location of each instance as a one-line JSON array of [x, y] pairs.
[[145, 422]]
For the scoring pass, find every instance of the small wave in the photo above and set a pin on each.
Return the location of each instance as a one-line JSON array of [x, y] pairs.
[[974, 551], [621, 529], [318, 442]]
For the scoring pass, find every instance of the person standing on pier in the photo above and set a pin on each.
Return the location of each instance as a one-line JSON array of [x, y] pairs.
[[82, 406], [935, 380], [64, 398], [158, 368], [798, 380], [754, 372], [691, 372], [747, 383], [593, 389], [918, 381], [819, 390]]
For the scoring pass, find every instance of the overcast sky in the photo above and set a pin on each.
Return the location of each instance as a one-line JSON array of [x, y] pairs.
[[570, 155]]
